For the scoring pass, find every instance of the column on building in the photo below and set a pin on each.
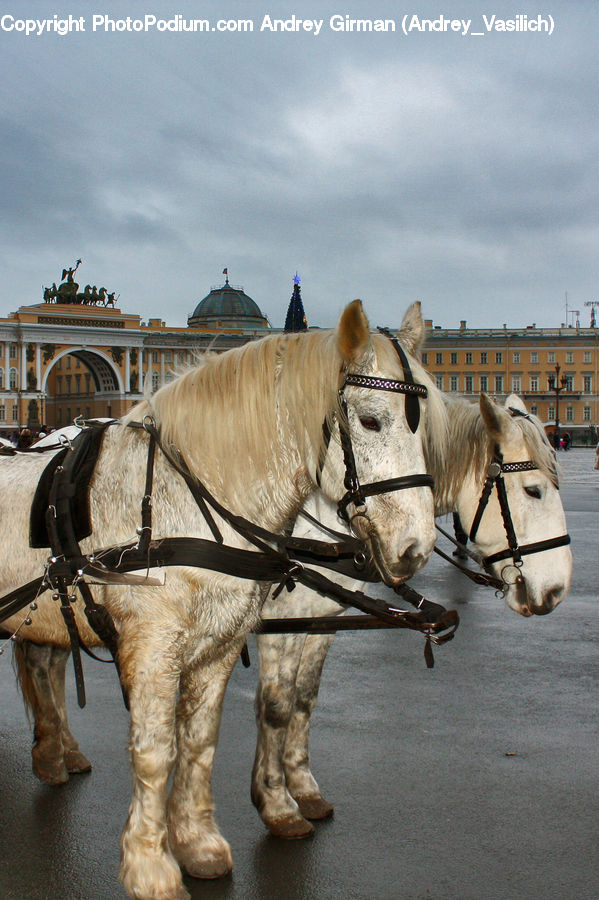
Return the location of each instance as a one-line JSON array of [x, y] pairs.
[[127, 369]]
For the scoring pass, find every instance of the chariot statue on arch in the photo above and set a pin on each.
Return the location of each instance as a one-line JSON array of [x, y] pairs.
[[68, 291]]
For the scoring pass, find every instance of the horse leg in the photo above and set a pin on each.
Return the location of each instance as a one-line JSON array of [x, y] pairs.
[[75, 761], [280, 656], [150, 673], [33, 665], [193, 833], [296, 757]]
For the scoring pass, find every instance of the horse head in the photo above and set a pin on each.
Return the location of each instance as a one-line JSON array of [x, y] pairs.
[[521, 529], [372, 434]]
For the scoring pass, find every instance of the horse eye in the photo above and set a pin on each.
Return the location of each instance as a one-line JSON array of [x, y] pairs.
[[534, 492], [370, 423]]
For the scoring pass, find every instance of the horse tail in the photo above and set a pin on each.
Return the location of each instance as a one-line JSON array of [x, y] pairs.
[[23, 677]]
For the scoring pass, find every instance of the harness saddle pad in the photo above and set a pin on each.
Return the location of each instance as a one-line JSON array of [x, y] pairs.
[[80, 476]]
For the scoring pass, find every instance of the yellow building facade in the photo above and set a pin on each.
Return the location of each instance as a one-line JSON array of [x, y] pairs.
[[529, 362], [61, 360]]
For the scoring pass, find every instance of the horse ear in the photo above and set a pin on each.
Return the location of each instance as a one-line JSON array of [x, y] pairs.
[[516, 402], [353, 333], [497, 420], [411, 333]]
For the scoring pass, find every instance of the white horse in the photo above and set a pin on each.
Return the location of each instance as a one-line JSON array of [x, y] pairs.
[[284, 790], [249, 425]]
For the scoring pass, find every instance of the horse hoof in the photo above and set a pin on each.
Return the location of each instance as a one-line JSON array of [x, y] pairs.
[[76, 762], [315, 808], [212, 862], [290, 827], [53, 773]]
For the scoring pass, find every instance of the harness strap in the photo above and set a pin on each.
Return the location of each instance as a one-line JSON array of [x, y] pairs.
[[492, 475], [69, 620], [527, 549]]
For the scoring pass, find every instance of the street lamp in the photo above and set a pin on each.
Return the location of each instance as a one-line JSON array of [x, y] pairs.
[[558, 385]]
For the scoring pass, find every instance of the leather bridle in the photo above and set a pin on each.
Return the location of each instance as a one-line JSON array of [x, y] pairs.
[[515, 551], [355, 492]]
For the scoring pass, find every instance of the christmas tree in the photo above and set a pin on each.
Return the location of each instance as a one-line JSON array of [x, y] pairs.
[[296, 317]]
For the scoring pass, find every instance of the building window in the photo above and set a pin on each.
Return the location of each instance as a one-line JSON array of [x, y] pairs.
[[534, 410], [569, 356], [425, 359], [453, 383], [2, 413], [587, 384], [586, 414], [78, 382], [154, 356], [484, 382], [439, 359], [569, 413], [12, 379], [516, 383], [13, 351], [469, 383], [534, 357], [77, 362], [68, 362], [499, 384], [59, 384], [499, 357], [59, 416], [468, 359], [569, 383], [534, 382], [439, 381], [68, 380], [1, 379], [586, 356], [15, 413], [516, 356], [454, 359], [551, 356], [168, 356], [483, 357], [155, 381], [551, 412]]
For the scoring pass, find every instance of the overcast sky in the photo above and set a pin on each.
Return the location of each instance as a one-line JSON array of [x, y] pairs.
[[456, 169]]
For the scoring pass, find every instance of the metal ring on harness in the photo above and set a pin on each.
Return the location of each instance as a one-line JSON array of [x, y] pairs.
[[65, 441], [148, 423]]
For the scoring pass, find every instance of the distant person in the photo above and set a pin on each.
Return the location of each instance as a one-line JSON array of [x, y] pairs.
[[24, 439]]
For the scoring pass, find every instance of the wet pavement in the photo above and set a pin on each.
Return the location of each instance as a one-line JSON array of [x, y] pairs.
[[474, 780]]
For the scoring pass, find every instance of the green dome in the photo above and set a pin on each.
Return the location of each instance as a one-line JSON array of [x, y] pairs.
[[228, 307]]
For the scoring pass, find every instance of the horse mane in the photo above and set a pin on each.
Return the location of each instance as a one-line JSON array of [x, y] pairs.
[[227, 411], [468, 430]]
